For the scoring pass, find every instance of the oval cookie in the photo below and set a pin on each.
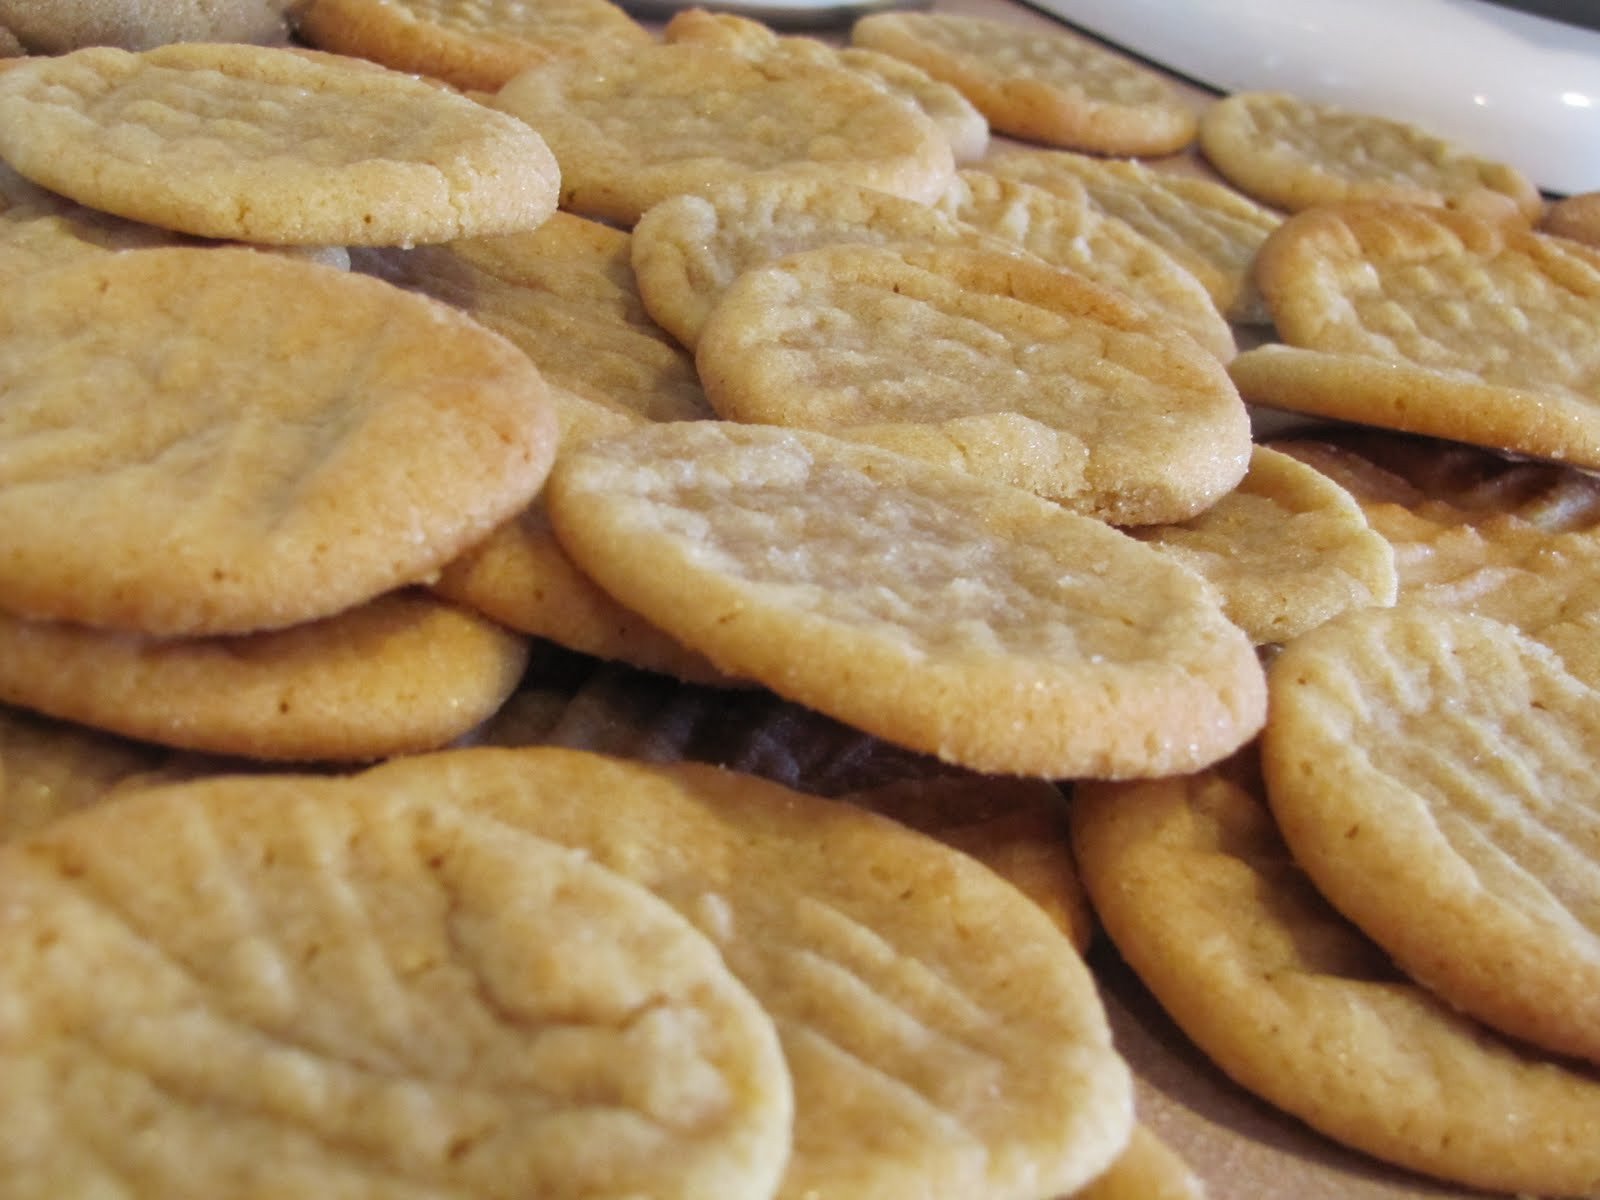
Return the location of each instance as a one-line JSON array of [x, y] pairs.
[[951, 615], [221, 441], [471, 44], [1292, 153], [672, 118], [269, 145], [1431, 771], [1044, 84], [1427, 320], [1198, 892], [1011, 369], [404, 673], [310, 986]]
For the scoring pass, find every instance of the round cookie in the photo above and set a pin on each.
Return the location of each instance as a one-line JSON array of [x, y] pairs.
[[920, 1066], [1062, 226], [1286, 550], [1427, 320], [475, 45], [1430, 771], [963, 125], [688, 250], [1046, 85], [1292, 153], [1008, 368], [271, 145], [945, 613], [666, 119], [310, 986], [401, 674], [59, 26], [221, 441], [1213, 231], [1199, 894]]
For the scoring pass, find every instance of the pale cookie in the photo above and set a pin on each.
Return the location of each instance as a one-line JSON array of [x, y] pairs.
[[942, 612], [1432, 772], [40, 230], [57, 26], [665, 119], [11, 50], [966, 129], [1043, 85], [1016, 827], [1211, 230], [403, 673], [1431, 321], [1515, 540], [220, 441], [472, 44], [943, 1037], [1063, 227], [1013, 370], [1198, 892], [271, 145], [1293, 153], [1576, 217], [565, 294], [1286, 550], [313, 986], [50, 769], [688, 250]]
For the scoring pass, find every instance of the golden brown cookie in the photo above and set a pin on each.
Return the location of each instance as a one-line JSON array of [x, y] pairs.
[[1046, 85], [1292, 153], [220, 441], [401, 674], [1430, 321], [312, 985], [58, 26], [1286, 550], [1061, 225], [963, 125], [940, 611], [1010, 369], [1213, 231], [688, 250], [1431, 772], [920, 1066], [1197, 890], [665, 119], [271, 145], [472, 44]]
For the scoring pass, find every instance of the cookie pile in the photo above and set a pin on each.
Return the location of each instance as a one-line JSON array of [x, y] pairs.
[[598, 611]]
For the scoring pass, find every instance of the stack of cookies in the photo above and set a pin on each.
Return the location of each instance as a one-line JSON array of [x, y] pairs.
[[596, 611]]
